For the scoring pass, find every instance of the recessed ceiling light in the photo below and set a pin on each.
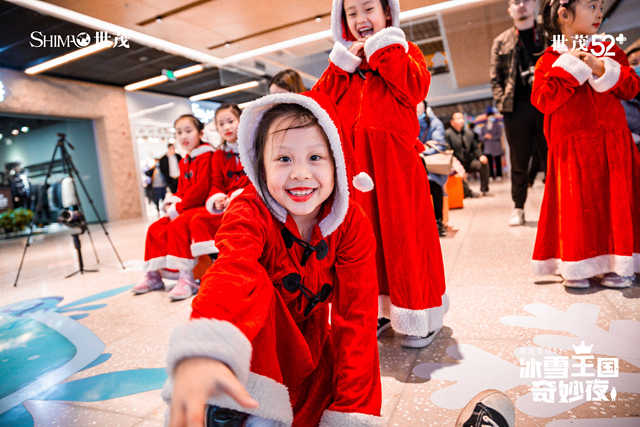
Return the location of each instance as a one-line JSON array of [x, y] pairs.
[[1, 135], [318, 18], [24, 129], [15, 132], [159, 19]]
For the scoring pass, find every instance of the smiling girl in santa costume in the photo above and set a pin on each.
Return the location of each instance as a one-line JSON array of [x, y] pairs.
[[376, 78], [168, 241], [262, 345], [590, 219], [227, 180]]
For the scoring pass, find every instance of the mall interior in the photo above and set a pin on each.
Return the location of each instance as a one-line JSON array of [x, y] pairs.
[[91, 90]]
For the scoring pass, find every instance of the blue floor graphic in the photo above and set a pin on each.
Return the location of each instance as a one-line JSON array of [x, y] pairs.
[[41, 347]]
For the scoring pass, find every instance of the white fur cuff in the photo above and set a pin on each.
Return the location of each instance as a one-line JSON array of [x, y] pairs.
[[573, 66], [172, 212], [349, 419], [215, 339], [211, 203], [610, 77], [344, 59], [383, 38], [203, 248]]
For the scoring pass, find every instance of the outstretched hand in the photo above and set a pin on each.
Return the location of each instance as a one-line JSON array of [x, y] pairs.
[[195, 381]]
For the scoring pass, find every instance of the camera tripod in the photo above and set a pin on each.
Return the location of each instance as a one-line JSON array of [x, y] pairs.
[[78, 219]]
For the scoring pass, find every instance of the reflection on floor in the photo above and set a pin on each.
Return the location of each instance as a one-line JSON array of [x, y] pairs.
[[84, 351]]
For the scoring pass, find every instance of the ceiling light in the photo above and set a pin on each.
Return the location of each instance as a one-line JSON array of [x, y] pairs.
[[318, 18], [183, 72], [24, 129], [224, 91], [1, 136], [69, 57], [146, 83], [15, 132]]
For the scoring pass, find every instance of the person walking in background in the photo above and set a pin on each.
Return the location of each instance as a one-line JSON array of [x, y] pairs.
[[491, 137], [170, 168], [513, 57]]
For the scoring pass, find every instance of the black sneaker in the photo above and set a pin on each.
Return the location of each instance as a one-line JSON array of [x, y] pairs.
[[383, 325], [489, 408], [442, 229]]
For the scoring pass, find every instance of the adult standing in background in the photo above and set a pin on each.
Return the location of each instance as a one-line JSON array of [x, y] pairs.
[[513, 57], [170, 168], [491, 136]]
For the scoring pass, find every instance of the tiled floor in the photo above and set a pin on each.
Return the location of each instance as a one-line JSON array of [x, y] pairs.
[[501, 318]]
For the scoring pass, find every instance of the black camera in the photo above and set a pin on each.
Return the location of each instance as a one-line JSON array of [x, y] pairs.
[[71, 218]]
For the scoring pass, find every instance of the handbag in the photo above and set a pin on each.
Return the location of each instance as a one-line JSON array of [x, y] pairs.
[[438, 163]]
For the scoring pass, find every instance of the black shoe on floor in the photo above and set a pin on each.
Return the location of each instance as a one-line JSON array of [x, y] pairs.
[[442, 229], [489, 408], [383, 325]]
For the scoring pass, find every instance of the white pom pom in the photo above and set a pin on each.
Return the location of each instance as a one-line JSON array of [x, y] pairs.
[[363, 182]]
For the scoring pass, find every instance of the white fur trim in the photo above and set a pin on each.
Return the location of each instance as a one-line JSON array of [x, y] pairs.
[[249, 121], [235, 194], [229, 148], [573, 66], [418, 322], [385, 38], [210, 204], [363, 182], [610, 77], [172, 198], [349, 419], [172, 212], [336, 19], [177, 263], [273, 399], [344, 59], [155, 264], [201, 149], [204, 248], [215, 339], [590, 267]]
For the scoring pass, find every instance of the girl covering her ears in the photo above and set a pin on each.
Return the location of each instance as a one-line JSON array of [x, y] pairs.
[[259, 347], [590, 219], [168, 241], [376, 78], [227, 180]]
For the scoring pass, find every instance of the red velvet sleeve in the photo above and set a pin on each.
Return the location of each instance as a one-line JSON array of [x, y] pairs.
[[353, 319], [333, 82], [217, 173], [406, 74], [554, 85], [237, 288], [195, 194]]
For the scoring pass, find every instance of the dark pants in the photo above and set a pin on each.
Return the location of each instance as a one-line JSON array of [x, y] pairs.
[[495, 165], [483, 169], [523, 128], [158, 195], [437, 195], [172, 183]]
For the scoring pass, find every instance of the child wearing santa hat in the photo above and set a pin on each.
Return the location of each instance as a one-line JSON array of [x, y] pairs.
[[263, 347], [376, 78]]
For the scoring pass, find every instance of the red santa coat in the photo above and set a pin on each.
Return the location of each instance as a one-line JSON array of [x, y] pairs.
[[303, 370], [590, 217], [376, 100], [227, 177], [168, 241]]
